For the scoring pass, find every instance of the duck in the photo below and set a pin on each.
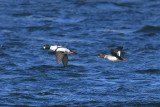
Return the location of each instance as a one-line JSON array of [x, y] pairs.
[[114, 55], [61, 53]]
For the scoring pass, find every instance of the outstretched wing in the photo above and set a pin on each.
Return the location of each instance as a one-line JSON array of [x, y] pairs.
[[116, 52], [59, 56], [65, 60]]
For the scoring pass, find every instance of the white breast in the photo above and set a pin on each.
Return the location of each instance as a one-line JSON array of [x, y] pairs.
[[53, 47], [112, 58]]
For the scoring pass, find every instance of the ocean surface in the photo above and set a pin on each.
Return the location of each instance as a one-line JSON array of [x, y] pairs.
[[30, 76]]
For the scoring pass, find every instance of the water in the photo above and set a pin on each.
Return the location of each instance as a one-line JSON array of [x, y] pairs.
[[31, 77]]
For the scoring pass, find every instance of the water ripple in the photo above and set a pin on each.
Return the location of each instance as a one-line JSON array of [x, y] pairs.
[[88, 27], [150, 71], [149, 29]]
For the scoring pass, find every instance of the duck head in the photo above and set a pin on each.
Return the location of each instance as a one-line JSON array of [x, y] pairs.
[[101, 55], [46, 47]]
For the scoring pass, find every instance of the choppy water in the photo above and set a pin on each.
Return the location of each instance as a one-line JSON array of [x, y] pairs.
[[31, 77]]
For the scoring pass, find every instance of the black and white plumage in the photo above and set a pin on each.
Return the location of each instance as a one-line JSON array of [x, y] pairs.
[[115, 55], [61, 53]]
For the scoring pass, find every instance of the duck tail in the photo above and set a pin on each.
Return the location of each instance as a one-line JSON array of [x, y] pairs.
[[124, 59], [73, 52]]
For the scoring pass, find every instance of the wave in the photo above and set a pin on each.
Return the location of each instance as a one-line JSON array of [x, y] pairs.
[[149, 29], [4, 54], [151, 71]]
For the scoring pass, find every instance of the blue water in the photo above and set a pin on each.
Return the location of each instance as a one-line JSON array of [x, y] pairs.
[[31, 77]]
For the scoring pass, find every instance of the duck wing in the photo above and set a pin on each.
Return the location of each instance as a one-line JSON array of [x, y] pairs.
[[116, 51], [59, 56], [65, 60]]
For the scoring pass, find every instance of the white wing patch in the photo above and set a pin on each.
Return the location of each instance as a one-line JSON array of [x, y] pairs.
[[119, 53]]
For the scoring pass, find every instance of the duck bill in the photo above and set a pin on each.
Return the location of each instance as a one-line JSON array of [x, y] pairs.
[[73, 53]]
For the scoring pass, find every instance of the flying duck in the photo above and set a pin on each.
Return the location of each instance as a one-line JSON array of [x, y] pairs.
[[61, 53], [114, 55]]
